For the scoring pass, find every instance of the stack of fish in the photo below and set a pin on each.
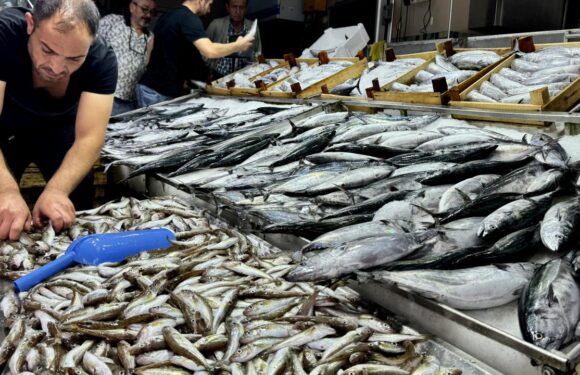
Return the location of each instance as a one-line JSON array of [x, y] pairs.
[[383, 71], [310, 74], [242, 77], [554, 68], [417, 201], [455, 70], [168, 136], [215, 301]]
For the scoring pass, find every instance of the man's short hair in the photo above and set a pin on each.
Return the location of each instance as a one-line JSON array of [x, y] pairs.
[[71, 12]]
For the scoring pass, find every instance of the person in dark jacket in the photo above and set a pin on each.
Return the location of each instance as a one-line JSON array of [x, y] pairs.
[[179, 43]]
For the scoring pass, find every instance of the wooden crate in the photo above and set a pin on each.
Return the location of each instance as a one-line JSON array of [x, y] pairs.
[[436, 98], [540, 99], [330, 82], [448, 49], [428, 56], [215, 90], [244, 91]]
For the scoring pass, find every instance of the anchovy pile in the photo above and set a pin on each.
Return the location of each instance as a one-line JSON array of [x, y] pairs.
[[215, 301], [310, 74], [455, 70], [242, 78], [554, 68], [383, 71]]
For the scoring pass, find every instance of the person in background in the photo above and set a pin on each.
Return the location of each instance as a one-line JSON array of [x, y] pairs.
[[178, 45], [130, 39], [56, 94], [228, 29]]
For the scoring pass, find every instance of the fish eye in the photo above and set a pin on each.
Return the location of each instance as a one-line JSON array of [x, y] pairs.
[[538, 335]]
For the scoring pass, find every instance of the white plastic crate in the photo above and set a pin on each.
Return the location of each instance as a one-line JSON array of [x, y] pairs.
[[341, 42]]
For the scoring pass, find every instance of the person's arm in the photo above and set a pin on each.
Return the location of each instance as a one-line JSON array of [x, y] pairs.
[[148, 49], [213, 50], [14, 213], [91, 124]]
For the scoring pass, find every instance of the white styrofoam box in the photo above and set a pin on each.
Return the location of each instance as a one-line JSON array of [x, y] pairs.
[[341, 42]]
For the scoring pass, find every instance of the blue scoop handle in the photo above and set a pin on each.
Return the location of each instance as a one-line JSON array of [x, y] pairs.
[[99, 248]]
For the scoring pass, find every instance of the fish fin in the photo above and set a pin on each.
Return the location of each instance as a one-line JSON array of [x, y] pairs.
[[432, 214], [501, 266], [464, 196], [293, 126], [552, 299], [347, 193], [525, 138], [394, 224], [357, 116]]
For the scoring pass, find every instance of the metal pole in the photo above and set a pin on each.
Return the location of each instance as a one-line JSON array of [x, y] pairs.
[[389, 37], [378, 21], [450, 14]]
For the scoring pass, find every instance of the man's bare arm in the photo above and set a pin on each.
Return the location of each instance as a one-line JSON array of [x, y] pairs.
[[213, 50], [91, 124], [14, 214], [148, 49]]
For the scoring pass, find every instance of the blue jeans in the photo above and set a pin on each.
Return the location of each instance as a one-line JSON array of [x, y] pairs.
[[146, 96], [122, 106]]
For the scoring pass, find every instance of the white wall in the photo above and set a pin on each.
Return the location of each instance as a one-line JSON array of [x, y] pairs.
[[439, 15]]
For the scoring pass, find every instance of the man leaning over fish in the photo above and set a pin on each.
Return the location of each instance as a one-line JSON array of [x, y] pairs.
[[56, 93]]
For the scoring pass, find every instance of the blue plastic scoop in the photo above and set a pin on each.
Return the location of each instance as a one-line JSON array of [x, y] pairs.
[[95, 249]]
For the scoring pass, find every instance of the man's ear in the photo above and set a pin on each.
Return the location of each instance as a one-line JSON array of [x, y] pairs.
[[29, 22]]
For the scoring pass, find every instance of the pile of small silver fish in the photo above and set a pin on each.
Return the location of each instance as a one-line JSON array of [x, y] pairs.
[[215, 302], [243, 77], [383, 71], [455, 70], [554, 68], [310, 74]]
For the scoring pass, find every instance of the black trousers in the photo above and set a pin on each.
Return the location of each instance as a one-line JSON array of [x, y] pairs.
[[46, 148]]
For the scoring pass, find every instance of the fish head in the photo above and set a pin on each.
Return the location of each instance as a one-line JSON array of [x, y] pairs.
[[243, 354], [547, 328], [304, 273], [554, 240], [486, 229]]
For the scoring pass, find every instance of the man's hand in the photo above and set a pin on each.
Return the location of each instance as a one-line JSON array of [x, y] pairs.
[[55, 206], [245, 42], [14, 215]]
